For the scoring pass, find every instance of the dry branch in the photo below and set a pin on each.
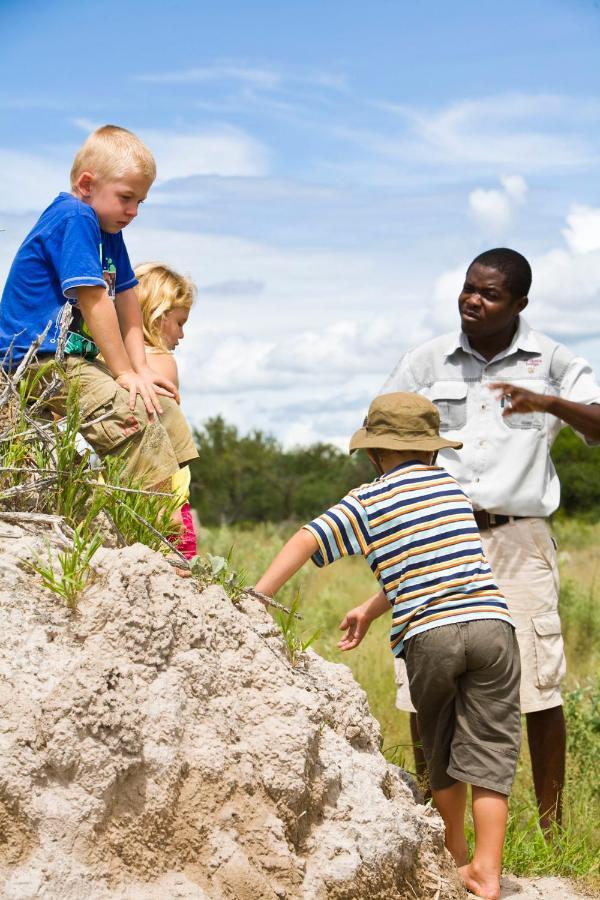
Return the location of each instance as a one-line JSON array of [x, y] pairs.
[[264, 598]]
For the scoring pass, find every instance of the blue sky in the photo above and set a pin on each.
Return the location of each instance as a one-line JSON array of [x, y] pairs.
[[326, 171]]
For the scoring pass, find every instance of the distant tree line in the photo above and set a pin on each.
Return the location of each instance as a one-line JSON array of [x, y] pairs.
[[251, 478]]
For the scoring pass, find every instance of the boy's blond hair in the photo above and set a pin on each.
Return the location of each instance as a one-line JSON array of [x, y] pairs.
[[160, 290], [112, 152]]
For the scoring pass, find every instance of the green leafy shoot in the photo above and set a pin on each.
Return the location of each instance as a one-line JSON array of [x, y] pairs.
[[208, 570], [295, 643], [74, 570]]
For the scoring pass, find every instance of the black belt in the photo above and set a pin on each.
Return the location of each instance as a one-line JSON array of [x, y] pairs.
[[486, 519]]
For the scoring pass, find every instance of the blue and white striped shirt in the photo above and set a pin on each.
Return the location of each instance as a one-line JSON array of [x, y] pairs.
[[415, 527]]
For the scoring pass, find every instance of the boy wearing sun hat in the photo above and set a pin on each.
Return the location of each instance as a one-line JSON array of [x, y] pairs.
[[415, 527]]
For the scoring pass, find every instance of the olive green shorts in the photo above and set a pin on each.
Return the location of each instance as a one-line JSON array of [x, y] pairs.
[[153, 449], [464, 683]]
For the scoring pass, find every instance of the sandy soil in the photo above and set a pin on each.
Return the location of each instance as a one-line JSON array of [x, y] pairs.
[[538, 889]]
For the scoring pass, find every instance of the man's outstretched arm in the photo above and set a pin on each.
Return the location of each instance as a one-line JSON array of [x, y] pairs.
[[583, 417]]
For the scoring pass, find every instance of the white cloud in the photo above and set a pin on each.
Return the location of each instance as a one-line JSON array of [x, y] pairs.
[[494, 209], [531, 133], [219, 151], [521, 130], [258, 77], [515, 187], [583, 232], [491, 209], [29, 181], [443, 309]]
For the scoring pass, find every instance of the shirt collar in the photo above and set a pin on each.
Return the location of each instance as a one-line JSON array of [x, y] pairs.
[[523, 339], [408, 464]]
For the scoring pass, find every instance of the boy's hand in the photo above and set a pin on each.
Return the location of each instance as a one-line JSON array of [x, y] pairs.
[[160, 383], [356, 624], [137, 384]]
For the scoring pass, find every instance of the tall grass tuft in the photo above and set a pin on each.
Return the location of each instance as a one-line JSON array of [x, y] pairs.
[[46, 467]]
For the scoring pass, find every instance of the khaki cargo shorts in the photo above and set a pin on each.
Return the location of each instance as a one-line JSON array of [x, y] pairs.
[[522, 555], [464, 682], [153, 451]]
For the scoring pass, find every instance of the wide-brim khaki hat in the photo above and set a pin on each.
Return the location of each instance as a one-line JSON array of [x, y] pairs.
[[401, 421]]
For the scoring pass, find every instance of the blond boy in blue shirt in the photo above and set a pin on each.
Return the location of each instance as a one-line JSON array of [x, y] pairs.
[[75, 254]]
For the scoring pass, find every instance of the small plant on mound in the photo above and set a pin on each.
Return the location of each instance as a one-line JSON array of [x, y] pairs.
[[208, 570], [74, 571], [295, 643]]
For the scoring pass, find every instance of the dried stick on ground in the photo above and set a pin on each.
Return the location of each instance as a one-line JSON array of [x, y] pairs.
[[57, 379], [270, 602], [184, 563], [14, 379]]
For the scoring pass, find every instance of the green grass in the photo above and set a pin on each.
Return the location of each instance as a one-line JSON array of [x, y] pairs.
[[327, 594]]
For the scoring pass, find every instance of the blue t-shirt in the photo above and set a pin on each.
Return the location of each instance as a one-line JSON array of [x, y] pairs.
[[65, 249]]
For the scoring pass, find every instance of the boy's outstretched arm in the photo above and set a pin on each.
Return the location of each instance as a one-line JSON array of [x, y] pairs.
[[290, 558], [356, 622]]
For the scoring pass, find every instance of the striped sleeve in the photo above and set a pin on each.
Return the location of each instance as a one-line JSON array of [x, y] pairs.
[[341, 531]]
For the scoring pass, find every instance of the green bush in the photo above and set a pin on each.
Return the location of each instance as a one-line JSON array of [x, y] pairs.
[[578, 468], [241, 479]]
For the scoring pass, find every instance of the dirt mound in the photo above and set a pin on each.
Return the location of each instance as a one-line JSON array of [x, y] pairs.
[[157, 743]]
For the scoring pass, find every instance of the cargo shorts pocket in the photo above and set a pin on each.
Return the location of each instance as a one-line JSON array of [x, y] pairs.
[[107, 420], [550, 664]]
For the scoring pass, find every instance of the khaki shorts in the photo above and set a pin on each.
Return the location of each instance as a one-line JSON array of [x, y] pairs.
[[522, 555], [464, 682], [153, 451]]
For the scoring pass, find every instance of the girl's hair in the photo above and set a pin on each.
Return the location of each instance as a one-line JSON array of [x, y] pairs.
[[111, 153], [160, 290]]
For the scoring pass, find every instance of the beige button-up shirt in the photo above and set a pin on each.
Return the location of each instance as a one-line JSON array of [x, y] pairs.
[[505, 464]]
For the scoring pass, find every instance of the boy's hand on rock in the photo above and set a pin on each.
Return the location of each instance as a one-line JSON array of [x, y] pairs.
[[356, 624], [136, 384]]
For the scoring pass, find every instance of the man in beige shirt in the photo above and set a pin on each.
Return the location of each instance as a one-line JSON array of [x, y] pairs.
[[505, 391]]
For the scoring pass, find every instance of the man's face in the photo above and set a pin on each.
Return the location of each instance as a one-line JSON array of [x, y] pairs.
[[485, 303], [116, 202]]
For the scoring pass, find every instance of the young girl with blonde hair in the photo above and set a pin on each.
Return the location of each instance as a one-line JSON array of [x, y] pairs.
[[166, 298]]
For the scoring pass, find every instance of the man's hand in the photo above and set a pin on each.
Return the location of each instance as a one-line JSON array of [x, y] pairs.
[[520, 400], [356, 624], [582, 417]]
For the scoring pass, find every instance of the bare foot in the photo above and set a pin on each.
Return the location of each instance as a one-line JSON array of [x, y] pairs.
[[482, 885], [183, 573]]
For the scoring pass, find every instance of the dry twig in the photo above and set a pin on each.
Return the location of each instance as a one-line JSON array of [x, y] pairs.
[[264, 598]]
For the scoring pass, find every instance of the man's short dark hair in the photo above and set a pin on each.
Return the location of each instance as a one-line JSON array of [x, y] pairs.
[[514, 267]]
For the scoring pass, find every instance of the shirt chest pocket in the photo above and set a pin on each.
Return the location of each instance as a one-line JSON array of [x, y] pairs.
[[529, 420], [450, 397]]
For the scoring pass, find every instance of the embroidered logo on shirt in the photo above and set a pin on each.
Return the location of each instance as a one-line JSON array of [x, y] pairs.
[[109, 273], [532, 364]]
